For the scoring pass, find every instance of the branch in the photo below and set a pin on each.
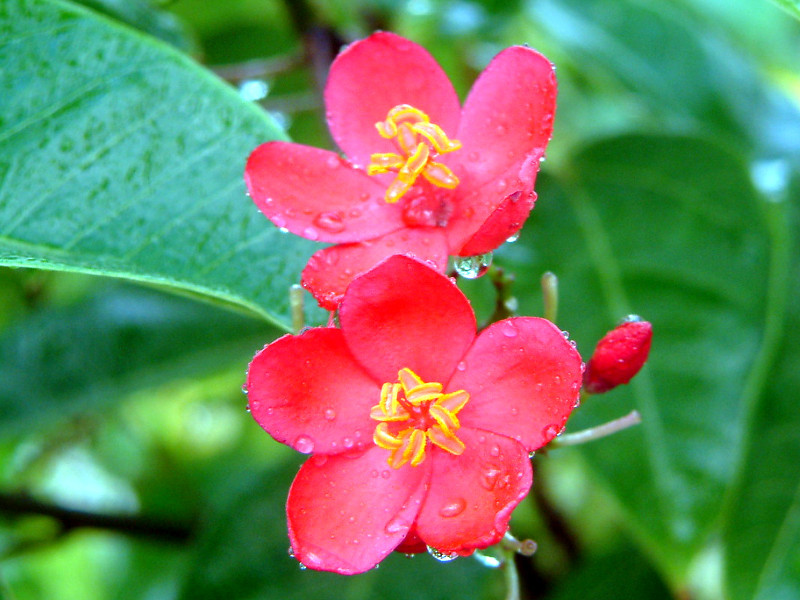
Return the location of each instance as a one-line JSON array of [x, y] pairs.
[[69, 519]]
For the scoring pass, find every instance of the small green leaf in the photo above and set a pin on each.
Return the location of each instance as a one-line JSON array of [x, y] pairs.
[[121, 157]]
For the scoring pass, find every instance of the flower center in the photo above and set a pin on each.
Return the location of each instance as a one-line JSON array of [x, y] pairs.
[[412, 412], [419, 142]]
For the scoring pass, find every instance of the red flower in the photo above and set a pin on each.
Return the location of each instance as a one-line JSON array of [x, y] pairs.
[[619, 355], [425, 177], [419, 429]]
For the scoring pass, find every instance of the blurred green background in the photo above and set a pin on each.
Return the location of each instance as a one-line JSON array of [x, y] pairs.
[[138, 280]]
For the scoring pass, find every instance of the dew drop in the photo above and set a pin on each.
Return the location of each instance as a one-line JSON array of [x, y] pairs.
[[333, 162], [513, 237], [304, 444], [310, 233], [550, 431], [501, 130], [329, 221], [396, 525], [330, 414], [385, 474], [453, 508], [347, 442], [441, 556], [494, 450], [631, 319], [510, 330], [472, 267], [373, 473], [279, 221], [488, 478], [565, 334], [462, 366], [319, 459]]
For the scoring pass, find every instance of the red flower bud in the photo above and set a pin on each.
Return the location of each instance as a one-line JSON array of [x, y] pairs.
[[618, 356]]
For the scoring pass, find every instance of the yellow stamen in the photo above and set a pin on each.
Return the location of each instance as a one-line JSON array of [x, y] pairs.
[[419, 142], [427, 413]]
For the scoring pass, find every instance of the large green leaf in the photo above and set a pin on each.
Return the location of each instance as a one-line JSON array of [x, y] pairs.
[[762, 534], [120, 156], [670, 228], [91, 355]]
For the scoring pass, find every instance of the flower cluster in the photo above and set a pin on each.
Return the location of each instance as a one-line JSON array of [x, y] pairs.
[[419, 428], [423, 176]]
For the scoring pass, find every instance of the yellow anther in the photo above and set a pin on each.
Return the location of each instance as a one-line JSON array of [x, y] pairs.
[[440, 175], [419, 142], [438, 139], [427, 413]]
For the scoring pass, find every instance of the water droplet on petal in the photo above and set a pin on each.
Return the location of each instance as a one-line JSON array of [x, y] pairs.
[[330, 414], [329, 221], [513, 237], [453, 508], [550, 431], [319, 459], [396, 525], [310, 234], [304, 444], [494, 450], [472, 267], [510, 329], [333, 162], [441, 556], [462, 366], [279, 221]]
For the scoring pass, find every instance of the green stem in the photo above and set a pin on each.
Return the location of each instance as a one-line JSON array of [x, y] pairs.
[[296, 300], [511, 576], [595, 433], [550, 296]]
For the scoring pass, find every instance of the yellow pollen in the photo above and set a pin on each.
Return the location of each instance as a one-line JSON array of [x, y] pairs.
[[412, 413], [419, 142]]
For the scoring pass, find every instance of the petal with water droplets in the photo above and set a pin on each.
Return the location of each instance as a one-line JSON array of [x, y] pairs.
[[317, 195], [520, 384], [374, 75], [307, 391], [403, 314], [330, 270], [471, 496], [344, 520]]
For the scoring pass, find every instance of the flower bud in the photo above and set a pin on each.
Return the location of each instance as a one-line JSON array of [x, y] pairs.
[[618, 356]]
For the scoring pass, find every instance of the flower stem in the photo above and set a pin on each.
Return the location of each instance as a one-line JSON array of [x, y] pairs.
[[505, 303], [595, 433], [296, 304], [511, 576], [550, 295]]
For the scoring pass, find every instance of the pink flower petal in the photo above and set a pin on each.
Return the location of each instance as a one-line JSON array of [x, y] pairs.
[[474, 227], [508, 114], [317, 195], [347, 513], [506, 220], [330, 271], [374, 75], [523, 379], [404, 314], [471, 496], [308, 392]]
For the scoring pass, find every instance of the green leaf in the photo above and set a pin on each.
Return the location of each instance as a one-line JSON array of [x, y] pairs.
[[121, 157], [790, 6], [90, 356], [142, 15], [762, 533], [669, 228]]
